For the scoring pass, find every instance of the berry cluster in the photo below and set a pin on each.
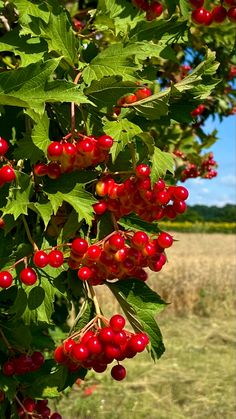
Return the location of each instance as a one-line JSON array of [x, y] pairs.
[[205, 170], [30, 408], [23, 364], [28, 276], [139, 94], [67, 157], [97, 347], [136, 195], [198, 111], [202, 16], [120, 255], [153, 9]]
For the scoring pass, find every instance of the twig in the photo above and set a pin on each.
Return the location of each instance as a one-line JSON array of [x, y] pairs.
[[5, 340], [5, 23], [35, 247], [95, 302]]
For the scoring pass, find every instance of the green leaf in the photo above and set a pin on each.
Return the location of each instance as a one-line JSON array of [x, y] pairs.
[[87, 314], [185, 7], [123, 131], [113, 60], [132, 222], [161, 163], [154, 106], [19, 197], [36, 297], [45, 211], [148, 140], [29, 87], [105, 92], [170, 31], [105, 226], [48, 384], [67, 190], [29, 49], [40, 131], [19, 336], [59, 35], [118, 17], [29, 15], [140, 304]]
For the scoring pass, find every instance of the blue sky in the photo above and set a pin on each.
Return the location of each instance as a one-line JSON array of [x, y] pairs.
[[222, 189]]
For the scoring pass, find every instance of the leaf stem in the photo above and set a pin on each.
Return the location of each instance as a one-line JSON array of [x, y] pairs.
[[5, 340], [35, 247], [95, 302]]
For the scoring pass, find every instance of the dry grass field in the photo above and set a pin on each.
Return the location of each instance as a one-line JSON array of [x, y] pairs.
[[196, 377]]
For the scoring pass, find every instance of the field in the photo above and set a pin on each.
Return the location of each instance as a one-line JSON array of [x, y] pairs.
[[196, 377]]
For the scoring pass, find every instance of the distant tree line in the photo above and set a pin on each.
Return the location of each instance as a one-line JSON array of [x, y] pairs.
[[213, 213]]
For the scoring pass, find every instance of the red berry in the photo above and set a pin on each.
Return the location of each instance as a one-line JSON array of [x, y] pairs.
[[116, 242], [85, 146], [59, 355], [196, 3], [93, 252], [69, 149], [84, 273], [120, 338], [40, 169], [85, 338], [143, 93], [141, 4], [99, 368], [53, 171], [7, 174], [165, 240], [199, 16], [105, 142], [56, 258], [179, 207], [232, 14], [6, 279], [55, 150], [94, 345], [106, 334], [142, 171], [181, 193], [137, 343], [28, 276], [112, 351], [117, 322], [219, 14], [40, 259], [140, 239], [79, 246], [37, 357], [55, 416], [8, 368], [118, 372], [3, 146], [230, 2], [29, 404], [79, 352], [130, 98], [2, 223], [68, 345], [155, 10], [100, 207]]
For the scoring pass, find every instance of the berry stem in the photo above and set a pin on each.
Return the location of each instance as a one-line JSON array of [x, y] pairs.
[[35, 247], [95, 301], [5, 340], [114, 222]]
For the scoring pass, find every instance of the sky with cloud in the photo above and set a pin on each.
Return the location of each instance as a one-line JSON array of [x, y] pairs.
[[222, 189]]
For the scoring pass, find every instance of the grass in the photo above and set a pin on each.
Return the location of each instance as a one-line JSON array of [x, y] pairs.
[[199, 226], [196, 377]]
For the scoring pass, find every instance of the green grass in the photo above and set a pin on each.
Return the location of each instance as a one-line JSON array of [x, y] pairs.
[[194, 379]]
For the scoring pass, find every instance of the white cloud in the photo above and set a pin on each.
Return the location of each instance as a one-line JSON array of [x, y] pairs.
[[228, 180]]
